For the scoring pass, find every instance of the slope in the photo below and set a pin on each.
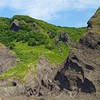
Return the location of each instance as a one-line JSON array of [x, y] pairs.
[[30, 38]]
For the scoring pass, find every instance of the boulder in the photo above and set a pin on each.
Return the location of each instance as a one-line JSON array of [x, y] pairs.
[[15, 25], [63, 36]]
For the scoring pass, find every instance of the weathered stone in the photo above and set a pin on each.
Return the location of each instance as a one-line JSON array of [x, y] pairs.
[[64, 37], [15, 25], [76, 78], [7, 60]]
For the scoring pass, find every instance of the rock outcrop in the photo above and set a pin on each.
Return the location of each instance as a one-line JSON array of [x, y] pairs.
[[15, 25], [41, 84], [94, 23], [77, 77], [7, 59], [63, 36], [80, 72]]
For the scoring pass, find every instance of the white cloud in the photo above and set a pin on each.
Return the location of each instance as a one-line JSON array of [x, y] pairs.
[[47, 9]]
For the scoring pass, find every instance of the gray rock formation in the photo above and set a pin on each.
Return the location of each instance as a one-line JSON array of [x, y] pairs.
[[63, 36], [77, 78], [94, 22], [80, 72], [42, 83], [15, 25], [7, 59]]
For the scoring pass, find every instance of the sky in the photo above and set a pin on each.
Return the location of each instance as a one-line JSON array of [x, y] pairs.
[[70, 13]]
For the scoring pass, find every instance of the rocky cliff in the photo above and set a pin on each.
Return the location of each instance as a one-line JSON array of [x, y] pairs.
[[7, 59], [80, 72], [76, 78]]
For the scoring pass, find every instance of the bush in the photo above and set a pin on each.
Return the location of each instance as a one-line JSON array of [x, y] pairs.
[[12, 45], [39, 38], [49, 46], [32, 42]]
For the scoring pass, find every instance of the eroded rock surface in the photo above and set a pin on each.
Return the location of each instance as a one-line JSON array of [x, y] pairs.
[[80, 72], [64, 37], [7, 59], [42, 83], [15, 25], [78, 77]]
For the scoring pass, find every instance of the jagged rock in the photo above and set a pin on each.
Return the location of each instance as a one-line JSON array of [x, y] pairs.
[[77, 77], [94, 22], [63, 36], [42, 83], [7, 60], [15, 25], [81, 69]]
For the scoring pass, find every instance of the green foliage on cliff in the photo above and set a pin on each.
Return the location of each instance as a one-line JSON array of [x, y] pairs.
[[33, 39]]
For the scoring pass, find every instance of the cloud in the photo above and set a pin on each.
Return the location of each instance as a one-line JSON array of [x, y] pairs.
[[85, 4], [47, 9]]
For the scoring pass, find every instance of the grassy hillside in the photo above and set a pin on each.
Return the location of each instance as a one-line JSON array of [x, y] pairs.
[[33, 39]]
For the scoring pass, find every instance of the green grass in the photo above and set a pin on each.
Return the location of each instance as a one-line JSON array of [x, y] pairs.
[[29, 55], [2, 45], [41, 40], [75, 33]]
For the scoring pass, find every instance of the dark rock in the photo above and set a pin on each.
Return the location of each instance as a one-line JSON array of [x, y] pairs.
[[88, 86], [63, 36], [77, 77], [84, 59], [14, 84], [15, 25], [63, 81], [36, 27], [42, 84], [81, 69], [45, 75], [94, 22]]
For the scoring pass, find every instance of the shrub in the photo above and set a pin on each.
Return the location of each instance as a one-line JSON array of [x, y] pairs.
[[12, 45], [49, 46], [32, 42]]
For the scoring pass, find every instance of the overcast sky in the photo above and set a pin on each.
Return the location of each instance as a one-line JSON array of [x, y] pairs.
[[74, 13]]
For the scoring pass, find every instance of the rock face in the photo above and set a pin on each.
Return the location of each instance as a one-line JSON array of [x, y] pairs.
[[80, 72], [15, 25], [94, 23], [37, 84], [62, 37], [7, 59], [78, 76], [82, 67], [42, 83]]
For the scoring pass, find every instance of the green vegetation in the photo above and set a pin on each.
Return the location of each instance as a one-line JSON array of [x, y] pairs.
[[75, 33], [2, 45], [34, 39], [30, 54]]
